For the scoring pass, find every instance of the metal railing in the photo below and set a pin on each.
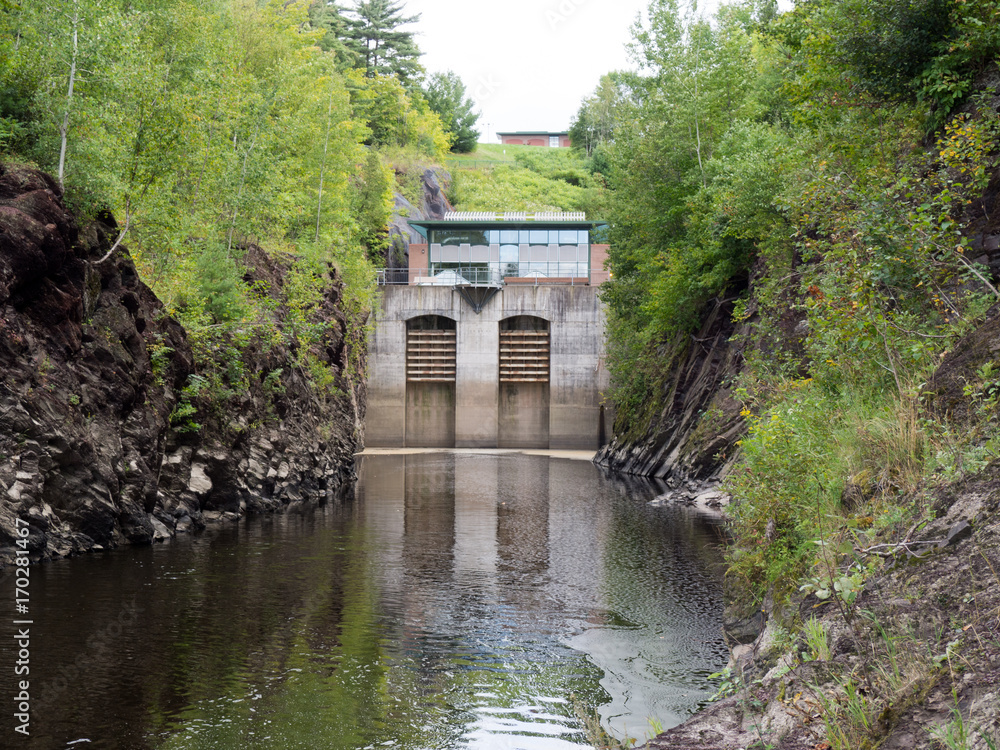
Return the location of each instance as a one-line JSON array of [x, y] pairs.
[[492, 275]]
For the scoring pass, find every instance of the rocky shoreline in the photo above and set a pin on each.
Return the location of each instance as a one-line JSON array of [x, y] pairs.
[[920, 641], [92, 371]]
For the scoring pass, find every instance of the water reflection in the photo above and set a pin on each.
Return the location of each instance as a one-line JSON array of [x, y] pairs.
[[457, 601]]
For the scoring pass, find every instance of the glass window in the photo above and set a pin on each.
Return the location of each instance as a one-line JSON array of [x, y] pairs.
[[461, 237], [509, 237], [538, 237], [494, 236], [568, 237], [584, 237], [509, 253]]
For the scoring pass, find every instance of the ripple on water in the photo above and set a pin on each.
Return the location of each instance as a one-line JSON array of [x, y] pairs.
[[456, 602]]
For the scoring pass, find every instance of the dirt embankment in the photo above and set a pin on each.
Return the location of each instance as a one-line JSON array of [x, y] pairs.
[[92, 370], [912, 664]]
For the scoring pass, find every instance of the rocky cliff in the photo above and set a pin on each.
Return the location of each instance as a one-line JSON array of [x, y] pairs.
[[691, 438], [93, 376], [901, 649], [433, 204]]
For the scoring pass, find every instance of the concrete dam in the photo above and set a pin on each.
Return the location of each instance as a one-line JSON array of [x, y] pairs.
[[493, 337]]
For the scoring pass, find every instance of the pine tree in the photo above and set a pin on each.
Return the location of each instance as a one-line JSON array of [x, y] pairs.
[[328, 16], [375, 37], [446, 95]]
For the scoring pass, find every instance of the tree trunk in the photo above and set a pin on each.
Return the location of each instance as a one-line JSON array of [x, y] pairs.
[[64, 129], [322, 166]]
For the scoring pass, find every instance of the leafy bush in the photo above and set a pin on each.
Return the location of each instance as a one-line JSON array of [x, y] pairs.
[[886, 46]]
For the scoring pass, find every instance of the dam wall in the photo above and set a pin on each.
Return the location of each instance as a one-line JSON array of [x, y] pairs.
[[526, 371]]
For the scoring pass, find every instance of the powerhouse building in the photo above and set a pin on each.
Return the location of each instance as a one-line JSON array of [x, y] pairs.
[[493, 336]]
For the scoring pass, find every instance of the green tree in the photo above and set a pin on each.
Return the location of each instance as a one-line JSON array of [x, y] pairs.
[[693, 85], [887, 45], [56, 57], [328, 17], [373, 206], [445, 94], [395, 117], [382, 48], [595, 120]]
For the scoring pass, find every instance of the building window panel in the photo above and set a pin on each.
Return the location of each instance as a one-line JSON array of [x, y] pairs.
[[461, 237]]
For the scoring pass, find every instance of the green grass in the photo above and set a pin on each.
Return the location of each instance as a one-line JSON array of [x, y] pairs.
[[485, 156], [523, 178]]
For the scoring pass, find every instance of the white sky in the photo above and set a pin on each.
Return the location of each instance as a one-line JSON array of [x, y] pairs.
[[527, 63]]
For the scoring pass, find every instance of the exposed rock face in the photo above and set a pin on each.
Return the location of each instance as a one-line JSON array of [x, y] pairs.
[[91, 368], [433, 205], [690, 444], [961, 370], [279, 442]]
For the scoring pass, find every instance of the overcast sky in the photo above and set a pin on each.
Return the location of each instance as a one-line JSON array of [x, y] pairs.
[[527, 63]]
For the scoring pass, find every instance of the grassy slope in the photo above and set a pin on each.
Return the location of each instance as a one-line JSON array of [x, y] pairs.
[[524, 178]]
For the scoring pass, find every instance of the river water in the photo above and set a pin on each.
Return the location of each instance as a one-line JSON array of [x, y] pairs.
[[456, 600]]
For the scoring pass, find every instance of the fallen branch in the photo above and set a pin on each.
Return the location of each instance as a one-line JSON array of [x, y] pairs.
[[890, 550], [128, 221]]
